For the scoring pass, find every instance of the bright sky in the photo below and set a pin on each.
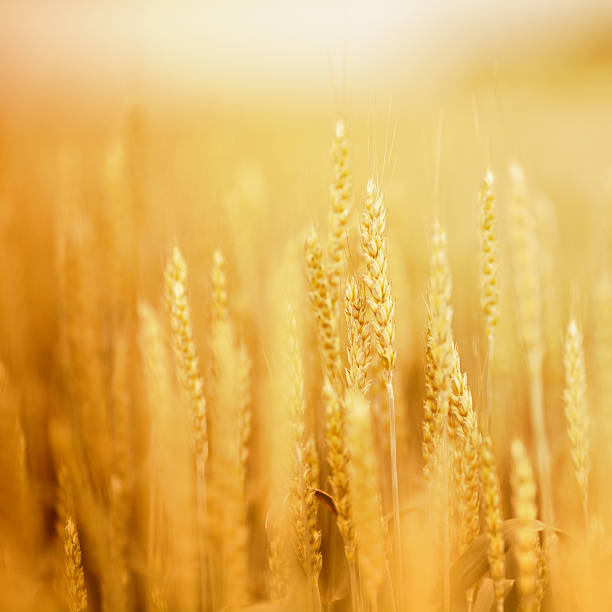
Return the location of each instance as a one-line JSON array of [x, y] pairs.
[[242, 44]]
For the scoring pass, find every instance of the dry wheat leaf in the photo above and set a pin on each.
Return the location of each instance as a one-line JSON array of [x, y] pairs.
[[327, 500]]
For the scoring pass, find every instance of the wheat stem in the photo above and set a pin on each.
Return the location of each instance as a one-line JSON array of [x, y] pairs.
[[394, 476]]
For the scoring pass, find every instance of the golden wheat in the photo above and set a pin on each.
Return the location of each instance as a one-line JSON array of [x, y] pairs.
[[526, 547], [75, 579], [340, 192], [576, 410], [493, 520], [253, 455]]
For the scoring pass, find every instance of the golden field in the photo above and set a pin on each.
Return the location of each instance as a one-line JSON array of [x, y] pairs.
[[344, 352]]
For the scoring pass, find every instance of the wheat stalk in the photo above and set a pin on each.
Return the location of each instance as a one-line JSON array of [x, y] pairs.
[[524, 247], [158, 394], [366, 500]]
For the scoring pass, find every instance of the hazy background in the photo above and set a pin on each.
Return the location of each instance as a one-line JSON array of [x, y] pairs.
[[120, 51]]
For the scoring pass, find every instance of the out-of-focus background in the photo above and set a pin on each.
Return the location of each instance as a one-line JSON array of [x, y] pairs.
[[117, 51], [129, 127]]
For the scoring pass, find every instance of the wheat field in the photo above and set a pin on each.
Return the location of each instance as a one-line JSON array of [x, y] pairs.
[[313, 355]]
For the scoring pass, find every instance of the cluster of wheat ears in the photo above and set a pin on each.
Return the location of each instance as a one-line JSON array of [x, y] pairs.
[[342, 515]]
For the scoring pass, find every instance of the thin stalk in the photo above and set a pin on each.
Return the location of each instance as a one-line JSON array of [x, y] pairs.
[[542, 450], [201, 525], [469, 599], [391, 592], [316, 595], [394, 482], [445, 505], [356, 600], [151, 522], [330, 523], [587, 523]]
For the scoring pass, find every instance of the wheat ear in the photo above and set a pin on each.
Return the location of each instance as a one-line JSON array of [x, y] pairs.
[[325, 317], [382, 307], [438, 343], [75, 578], [438, 378], [219, 289], [338, 457], [304, 468], [489, 264], [493, 521], [309, 482], [185, 353], [466, 440], [230, 428], [576, 413], [358, 351], [340, 192], [278, 582], [188, 369], [526, 538]]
